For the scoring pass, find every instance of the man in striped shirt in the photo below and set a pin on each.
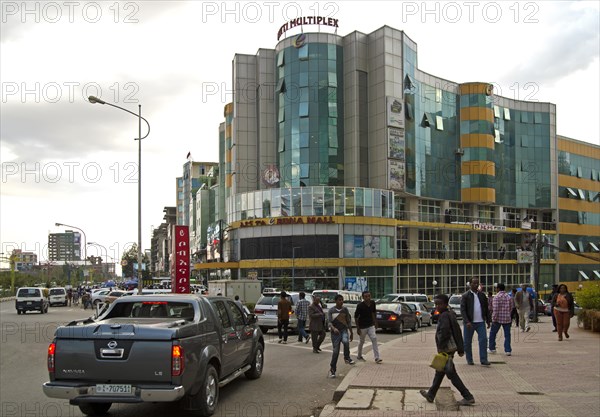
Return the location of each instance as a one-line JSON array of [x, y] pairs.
[[302, 315], [502, 306]]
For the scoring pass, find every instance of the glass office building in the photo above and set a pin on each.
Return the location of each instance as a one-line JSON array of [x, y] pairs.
[[346, 165]]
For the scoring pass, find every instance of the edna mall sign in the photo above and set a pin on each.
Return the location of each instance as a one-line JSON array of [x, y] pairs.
[[288, 220], [307, 20]]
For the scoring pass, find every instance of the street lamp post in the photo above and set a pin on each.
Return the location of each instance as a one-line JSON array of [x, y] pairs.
[[293, 265], [93, 100], [107, 255], [84, 246], [434, 284]]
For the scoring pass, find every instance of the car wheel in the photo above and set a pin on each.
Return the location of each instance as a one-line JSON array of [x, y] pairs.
[[420, 323], [400, 328], [430, 323], [94, 409], [209, 392], [96, 302], [256, 367], [414, 328], [18, 312]]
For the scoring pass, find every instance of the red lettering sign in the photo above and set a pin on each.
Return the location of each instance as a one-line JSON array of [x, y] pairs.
[[180, 271]]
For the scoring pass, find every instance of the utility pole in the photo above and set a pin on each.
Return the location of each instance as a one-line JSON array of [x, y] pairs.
[[539, 244]]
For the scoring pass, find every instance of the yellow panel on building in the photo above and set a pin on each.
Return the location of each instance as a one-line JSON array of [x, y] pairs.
[[476, 140], [478, 168], [478, 195], [476, 88]]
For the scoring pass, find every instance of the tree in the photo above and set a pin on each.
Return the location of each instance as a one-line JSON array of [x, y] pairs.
[[131, 257]]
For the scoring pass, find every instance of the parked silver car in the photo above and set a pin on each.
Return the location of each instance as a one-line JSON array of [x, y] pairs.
[[423, 314], [454, 304]]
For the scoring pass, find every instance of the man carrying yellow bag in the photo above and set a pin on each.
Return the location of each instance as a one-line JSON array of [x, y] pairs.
[[448, 339]]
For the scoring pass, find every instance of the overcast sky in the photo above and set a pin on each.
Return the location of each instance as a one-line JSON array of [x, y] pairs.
[[66, 160]]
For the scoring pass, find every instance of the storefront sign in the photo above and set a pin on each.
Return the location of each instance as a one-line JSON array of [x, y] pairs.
[[308, 20], [288, 220], [488, 226], [180, 265], [525, 257]]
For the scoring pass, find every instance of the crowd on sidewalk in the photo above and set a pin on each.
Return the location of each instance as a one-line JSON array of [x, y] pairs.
[[480, 313]]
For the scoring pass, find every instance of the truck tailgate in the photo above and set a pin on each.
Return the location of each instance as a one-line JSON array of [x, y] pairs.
[[114, 353]]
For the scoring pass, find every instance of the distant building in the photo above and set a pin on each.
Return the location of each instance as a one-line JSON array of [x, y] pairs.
[[24, 261], [579, 209], [64, 246]]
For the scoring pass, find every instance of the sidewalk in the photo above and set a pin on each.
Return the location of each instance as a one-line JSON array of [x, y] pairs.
[[542, 378]]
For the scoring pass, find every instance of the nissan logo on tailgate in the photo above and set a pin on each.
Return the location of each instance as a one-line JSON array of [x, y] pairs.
[[112, 344]]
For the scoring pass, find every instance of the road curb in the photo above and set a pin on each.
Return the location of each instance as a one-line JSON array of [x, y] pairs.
[[344, 385]]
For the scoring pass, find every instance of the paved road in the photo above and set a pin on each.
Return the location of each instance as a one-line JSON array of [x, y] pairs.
[[294, 381]]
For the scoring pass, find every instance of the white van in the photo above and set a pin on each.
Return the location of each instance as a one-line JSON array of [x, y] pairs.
[[57, 295], [351, 299], [404, 297], [31, 299]]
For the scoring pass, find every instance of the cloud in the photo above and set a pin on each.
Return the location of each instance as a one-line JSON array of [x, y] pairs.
[[568, 48]]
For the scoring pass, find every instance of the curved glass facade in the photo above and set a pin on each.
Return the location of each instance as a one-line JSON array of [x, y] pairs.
[[310, 115], [311, 201]]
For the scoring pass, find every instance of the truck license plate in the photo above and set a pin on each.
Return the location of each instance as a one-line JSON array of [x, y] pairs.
[[113, 389]]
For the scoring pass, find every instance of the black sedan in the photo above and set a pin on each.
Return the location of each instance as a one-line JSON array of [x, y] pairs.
[[397, 317]]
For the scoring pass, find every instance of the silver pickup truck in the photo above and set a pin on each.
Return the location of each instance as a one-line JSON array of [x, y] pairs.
[[154, 348]]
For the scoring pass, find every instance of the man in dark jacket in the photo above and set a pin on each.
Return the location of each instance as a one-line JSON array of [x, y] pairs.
[[448, 339], [475, 313]]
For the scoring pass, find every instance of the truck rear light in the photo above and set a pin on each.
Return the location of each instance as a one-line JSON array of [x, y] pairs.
[[51, 352], [176, 360]]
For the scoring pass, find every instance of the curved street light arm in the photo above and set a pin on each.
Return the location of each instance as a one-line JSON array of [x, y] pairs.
[[94, 100]]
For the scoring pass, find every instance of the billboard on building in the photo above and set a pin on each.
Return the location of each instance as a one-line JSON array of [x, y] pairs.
[[396, 172], [213, 242], [395, 112]]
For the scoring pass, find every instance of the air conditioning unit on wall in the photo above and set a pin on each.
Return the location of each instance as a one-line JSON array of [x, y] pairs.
[[459, 151]]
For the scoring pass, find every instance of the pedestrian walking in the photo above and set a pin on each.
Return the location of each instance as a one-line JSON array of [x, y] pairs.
[[284, 308], [524, 304], [366, 323], [554, 292], [237, 300], [316, 324], [514, 314], [448, 339], [475, 313], [302, 316], [69, 296], [340, 325], [501, 309], [564, 310]]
